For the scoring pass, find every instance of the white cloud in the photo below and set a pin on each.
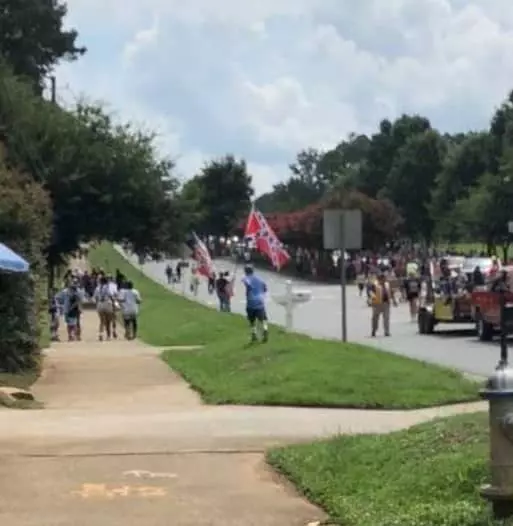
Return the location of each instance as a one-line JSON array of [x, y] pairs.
[[141, 41], [264, 79]]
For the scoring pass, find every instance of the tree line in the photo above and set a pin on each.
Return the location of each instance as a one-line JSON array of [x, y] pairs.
[[437, 187], [410, 180]]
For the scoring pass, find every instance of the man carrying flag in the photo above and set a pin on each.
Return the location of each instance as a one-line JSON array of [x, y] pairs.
[[266, 242]]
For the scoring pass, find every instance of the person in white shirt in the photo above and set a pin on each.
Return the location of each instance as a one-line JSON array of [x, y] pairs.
[[130, 299], [114, 292]]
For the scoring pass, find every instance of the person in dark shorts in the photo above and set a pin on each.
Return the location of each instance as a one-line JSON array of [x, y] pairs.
[[412, 287], [255, 304]]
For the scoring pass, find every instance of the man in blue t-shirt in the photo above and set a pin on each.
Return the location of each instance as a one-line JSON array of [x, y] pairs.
[[255, 303]]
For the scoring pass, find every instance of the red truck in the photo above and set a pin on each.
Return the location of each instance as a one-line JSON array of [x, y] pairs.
[[486, 311]]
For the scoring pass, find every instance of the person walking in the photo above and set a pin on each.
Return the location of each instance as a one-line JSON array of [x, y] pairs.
[[169, 274], [130, 300], [412, 287], [380, 298], [223, 292], [255, 304], [105, 308]]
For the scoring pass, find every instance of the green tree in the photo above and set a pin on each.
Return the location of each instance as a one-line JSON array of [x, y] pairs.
[[342, 166], [224, 195], [308, 182], [484, 213], [411, 181], [105, 180], [383, 149], [463, 166], [25, 218], [33, 39]]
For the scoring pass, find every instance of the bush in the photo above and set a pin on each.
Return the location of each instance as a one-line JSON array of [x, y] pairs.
[[25, 219]]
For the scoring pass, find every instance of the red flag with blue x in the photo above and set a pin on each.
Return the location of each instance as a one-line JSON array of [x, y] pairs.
[[266, 241]]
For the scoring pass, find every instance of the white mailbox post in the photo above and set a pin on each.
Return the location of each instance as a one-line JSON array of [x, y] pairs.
[[290, 300]]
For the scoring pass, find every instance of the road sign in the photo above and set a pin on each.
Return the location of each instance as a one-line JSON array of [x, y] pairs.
[[342, 229]]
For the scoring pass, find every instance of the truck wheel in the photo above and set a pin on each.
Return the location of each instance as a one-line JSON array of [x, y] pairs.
[[426, 322], [484, 330], [421, 321], [430, 323]]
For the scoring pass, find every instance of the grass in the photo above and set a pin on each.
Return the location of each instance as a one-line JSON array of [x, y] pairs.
[[428, 475], [290, 370]]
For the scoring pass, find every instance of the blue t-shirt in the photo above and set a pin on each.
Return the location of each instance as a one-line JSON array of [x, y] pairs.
[[255, 292]]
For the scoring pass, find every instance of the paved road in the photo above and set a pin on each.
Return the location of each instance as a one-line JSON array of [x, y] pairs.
[[453, 346]]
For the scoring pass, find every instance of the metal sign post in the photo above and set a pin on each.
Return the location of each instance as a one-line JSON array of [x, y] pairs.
[[342, 230], [343, 276]]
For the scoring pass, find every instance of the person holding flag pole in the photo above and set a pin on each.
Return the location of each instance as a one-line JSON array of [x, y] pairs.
[[266, 242], [204, 265]]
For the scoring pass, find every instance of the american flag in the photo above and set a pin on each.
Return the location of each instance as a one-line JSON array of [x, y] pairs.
[[201, 255], [265, 240]]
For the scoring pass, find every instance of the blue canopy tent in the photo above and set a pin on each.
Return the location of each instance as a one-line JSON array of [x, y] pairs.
[[10, 261]]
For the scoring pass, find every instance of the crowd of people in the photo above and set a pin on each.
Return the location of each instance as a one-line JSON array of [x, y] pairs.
[[112, 296]]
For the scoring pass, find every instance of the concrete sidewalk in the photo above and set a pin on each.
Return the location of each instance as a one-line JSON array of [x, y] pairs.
[[124, 440]]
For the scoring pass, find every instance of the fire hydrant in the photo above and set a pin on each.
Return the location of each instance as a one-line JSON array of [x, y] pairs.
[[499, 393]]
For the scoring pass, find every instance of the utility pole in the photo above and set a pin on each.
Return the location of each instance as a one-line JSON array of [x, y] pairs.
[[53, 89], [51, 266]]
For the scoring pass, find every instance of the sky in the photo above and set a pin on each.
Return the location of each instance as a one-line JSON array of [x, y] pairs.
[[264, 80]]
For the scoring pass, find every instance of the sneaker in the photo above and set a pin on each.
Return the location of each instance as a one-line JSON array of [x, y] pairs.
[[265, 337], [254, 338]]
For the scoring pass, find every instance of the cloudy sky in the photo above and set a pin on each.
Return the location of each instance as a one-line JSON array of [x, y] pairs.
[[264, 79]]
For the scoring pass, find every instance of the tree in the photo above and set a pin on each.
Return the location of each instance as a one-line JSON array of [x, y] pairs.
[[312, 173], [25, 219], [484, 213], [303, 228], [105, 180], [347, 161], [383, 149], [463, 166], [33, 39], [411, 181], [223, 195]]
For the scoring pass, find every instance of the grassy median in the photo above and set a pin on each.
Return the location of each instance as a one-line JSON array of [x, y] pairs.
[[428, 475], [290, 369]]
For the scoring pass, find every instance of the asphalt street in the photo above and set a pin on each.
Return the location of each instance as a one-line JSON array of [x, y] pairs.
[[454, 346]]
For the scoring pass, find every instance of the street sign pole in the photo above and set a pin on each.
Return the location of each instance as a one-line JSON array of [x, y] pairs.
[[342, 230], [343, 276]]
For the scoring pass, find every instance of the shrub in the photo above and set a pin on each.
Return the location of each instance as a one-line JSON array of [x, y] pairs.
[[25, 223]]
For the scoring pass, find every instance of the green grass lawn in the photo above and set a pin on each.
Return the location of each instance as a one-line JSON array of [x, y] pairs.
[[290, 369], [428, 475]]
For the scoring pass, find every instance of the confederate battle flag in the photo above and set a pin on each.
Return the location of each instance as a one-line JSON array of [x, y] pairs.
[[200, 254], [266, 241]]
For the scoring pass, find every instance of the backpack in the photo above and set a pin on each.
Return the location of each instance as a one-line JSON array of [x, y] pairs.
[[105, 301]]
